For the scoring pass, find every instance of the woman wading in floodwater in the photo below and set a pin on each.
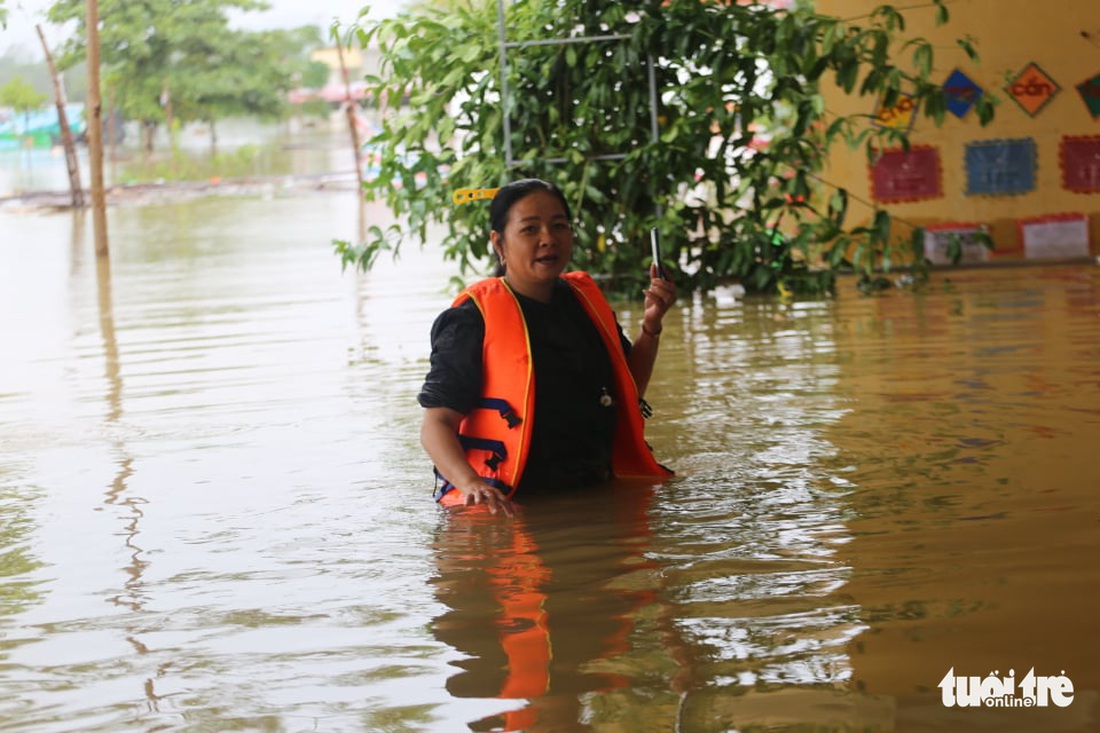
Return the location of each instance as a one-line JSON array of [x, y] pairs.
[[533, 386]]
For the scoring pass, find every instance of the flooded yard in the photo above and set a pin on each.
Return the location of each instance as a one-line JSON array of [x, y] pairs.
[[215, 513]]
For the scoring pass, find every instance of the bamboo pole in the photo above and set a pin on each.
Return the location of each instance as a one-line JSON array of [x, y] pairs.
[[95, 130], [75, 189]]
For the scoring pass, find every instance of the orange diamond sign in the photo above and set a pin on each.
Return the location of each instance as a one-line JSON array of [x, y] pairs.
[[1032, 89]]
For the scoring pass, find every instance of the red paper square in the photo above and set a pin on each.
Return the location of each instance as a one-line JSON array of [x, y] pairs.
[[1080, 161], [899, 176]]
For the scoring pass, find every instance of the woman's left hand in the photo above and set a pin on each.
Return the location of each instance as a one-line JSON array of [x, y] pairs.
[[658, 299]]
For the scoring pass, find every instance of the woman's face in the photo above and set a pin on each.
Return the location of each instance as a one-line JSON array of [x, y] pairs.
[[537, 243]]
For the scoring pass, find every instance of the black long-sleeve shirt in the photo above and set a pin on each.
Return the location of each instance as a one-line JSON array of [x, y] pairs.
[[571, 439]]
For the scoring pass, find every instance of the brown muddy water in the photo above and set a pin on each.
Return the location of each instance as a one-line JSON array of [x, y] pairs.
[[215, 514]]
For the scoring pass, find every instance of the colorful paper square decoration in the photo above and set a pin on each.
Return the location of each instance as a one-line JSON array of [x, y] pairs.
[[1000, 167], [937, 242], [1032, 89], [1079, 157], [962, 93], [898, 176], [1056, 236], [900, 116], [1090, 92]]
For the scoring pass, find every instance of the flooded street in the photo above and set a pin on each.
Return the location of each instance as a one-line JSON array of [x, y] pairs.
[[215, 513]]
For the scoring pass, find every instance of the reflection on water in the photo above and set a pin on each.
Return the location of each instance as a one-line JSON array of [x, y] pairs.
[[542, 615], [215, 513], [245, 149]]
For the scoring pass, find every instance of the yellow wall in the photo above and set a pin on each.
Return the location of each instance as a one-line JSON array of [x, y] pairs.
[[1062, 37]]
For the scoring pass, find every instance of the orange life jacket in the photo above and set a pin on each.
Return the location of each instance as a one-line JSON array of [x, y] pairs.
[[496, 434]]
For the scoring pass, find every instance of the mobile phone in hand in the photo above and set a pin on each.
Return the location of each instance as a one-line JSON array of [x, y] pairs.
[[655, 246]]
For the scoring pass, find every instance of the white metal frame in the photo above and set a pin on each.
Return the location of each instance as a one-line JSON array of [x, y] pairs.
[[505, 44]]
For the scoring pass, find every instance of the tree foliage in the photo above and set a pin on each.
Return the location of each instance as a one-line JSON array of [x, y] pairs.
[[184, 52], [733, 178], [21, 96], [240, 74]]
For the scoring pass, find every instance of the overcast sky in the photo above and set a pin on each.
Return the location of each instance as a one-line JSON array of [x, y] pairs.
[[24, 14]]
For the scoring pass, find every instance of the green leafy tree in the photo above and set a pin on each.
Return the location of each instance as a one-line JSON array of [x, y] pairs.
[[233, 74], [180, 57], [733, 178], [21, 96]]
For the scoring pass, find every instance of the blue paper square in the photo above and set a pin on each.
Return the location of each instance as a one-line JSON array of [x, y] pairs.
[[962, 93], [1000, 167]]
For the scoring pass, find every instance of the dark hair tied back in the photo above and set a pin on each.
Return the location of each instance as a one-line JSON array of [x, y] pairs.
[[512, 192]]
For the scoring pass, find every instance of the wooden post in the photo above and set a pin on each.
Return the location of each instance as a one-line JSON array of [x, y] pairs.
[[112, 134], [95, 130], [353, 121], [76, 190]]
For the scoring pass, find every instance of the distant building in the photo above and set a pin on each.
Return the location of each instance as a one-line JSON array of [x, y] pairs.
[[1031, 178], [39, 128], [359, 64]]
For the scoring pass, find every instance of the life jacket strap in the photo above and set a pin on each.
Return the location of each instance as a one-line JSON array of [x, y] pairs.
[[507, 412], [495, 448]]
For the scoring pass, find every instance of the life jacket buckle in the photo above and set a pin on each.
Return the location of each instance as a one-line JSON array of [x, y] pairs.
[[511, 418]]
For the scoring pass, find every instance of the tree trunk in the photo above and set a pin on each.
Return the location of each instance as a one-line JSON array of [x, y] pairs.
[[67, 142], [148, 135], [353, 121], [95, 130], [169, 126], [166, 102]]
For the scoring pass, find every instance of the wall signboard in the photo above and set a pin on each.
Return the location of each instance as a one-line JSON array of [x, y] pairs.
[[899, 116], [962, 93], [900, 177], [1089, 90], [1000, 167], [1058, 236], [938, 239], [1032, 89], [1079, 157]]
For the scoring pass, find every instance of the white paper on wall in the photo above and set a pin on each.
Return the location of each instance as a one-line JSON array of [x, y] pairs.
[[937, 241], [1059, 237]]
